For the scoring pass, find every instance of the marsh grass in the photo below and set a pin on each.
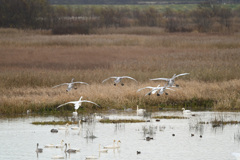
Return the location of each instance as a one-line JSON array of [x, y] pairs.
[[121, 121], [54, 123], [32, 62]]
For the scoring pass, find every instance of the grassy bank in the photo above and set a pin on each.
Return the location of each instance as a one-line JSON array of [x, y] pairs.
[[33, 61]]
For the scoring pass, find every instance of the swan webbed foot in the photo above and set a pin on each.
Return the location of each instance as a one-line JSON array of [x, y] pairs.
[[122, 84], [115, 84], [177, 85], [166, 93], [149, 94], [158, 94]]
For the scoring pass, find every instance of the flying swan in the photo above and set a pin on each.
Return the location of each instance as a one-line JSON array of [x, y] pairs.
[[70, 85], [170, 80], [118, 79], [77, 104], [159, 90]]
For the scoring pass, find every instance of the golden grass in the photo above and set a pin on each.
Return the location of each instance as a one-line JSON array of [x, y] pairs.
[[33, 61]]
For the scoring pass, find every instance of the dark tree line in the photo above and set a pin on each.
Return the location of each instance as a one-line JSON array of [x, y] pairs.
[[39, 14]]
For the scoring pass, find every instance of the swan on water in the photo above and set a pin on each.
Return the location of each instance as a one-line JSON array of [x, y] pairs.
[[39, 150], [118, 79], [70, 85], [91, 157], [60, 145], [102, 150], [58, 157], [159, 90], [113, 146], [170, 80], [64, 128], [186, 111], [140, 111], [77, 127], [78, 103], [77, 149], [49, 146], [69, 150]]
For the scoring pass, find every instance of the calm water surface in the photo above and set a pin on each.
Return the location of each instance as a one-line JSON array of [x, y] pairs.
[[19, 137]]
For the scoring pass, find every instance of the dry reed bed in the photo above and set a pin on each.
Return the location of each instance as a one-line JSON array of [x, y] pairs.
[[33, 61], [224, 95]]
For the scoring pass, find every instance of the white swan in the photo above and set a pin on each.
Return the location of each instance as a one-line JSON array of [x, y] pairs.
[[170, 80], [64, 128], [186, 111], [49, 146], [118, 79], [91, 157], [78, 103], [140, 111], [39, 150], [69, 150], [113, 146], [60, 145], [58, 157], [75, 127], [70, 85], [102, 150], [159, 90]]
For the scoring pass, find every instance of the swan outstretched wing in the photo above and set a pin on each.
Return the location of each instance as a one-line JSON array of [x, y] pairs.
[[181, 74], [108, 79], [90, 102], [73, 102], [170, 89], [164, 79], [60, 85], [129, 78], [145, 88], [81, 83]]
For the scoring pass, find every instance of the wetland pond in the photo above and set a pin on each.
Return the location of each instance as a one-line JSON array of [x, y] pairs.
[[171, 139]]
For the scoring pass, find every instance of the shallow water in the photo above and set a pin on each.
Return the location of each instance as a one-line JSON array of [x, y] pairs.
[[19, 137]]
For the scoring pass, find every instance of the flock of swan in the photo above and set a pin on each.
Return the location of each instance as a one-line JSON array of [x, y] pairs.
[[68, 149], [159, 90]]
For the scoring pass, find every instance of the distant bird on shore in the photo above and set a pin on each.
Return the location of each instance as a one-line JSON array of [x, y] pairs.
[[170, 81], [186, 111], [118, 79], [70, 85], [140, 111], [78, 104], [159, 90]]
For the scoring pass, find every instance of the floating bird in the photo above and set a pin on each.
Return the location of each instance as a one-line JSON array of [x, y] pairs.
[[39, 150], [173, 135], [102, 150], [49, 146], [70, 85], [54, 130], [140, 111], [64, 128], [138, 152], [159, 90], [75, 127], [78, 103], [170, 80], [58, 157], [69, 150], [186, 111], [60, 145], [113, 146], [91, 157], [77, 149], [118, 79]]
